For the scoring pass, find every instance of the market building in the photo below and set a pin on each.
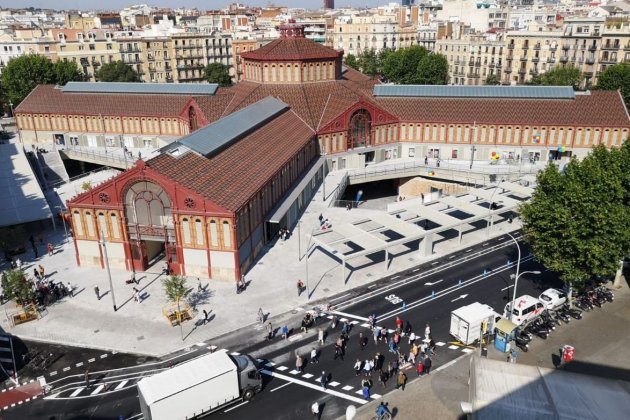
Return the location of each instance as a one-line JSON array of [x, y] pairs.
[[251, 155]]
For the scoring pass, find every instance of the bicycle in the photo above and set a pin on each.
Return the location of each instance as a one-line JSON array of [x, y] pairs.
[[385, 416]]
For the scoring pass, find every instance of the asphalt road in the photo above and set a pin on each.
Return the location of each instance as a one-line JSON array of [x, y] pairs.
[[424, 294]]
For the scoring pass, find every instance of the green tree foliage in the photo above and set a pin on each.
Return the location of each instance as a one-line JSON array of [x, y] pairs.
[[351, 61], [17, 287], [616, 77], [23, 73], [563, 76], [66, 71], [578, 221], [117, 71], [433, 70], [174, 287], [368, 62], [492, 80], [217, 73]]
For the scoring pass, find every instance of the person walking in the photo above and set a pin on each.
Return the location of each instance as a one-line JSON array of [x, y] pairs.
[[300, 287], [357, 367], [285, 332], [323, 379], [427, 332], [97, 292], [427, 365], [42, 272], [299, 363], [402, 380], [382, 378], [315, 409], [86, 377], [205, 317], [314, 356], [269, 331], [320, 336], [69, 289], [420, 368], [366, 393], [261, 316], [51, 248], [377, 335], [367, 368]]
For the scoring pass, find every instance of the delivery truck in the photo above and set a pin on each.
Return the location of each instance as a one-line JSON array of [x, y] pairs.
[[199, 387], [466, 322]]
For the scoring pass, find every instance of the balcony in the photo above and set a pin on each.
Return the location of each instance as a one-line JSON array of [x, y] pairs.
[[191, 78], [150, 58], [491, 65], [551, 60], [508, 70], [608, 60], [524, 58], [129, 50], [608, 46], [588, 74], [525, 46], [478, 64], [537, 46], [592, 48], [553, 48], [590, 60], [522, 70], [564, 59], [566, 47], [533, 72], [510, 46], [190, 66], [535, 59]]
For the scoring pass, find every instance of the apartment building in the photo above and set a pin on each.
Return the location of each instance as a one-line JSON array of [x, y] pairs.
[[472, 58], [90, 49], [25, 41], [359, 32], [615, 43]]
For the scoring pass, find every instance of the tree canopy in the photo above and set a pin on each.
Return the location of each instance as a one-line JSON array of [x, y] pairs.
[[433, 70], [616, 77], [350, 60], [217, 73], [117, 71], [17, 287], [492, 80], [578, 221], [559, 76], [415, 65], [23, 73], [174, 287], [66, 71], [368, 62]]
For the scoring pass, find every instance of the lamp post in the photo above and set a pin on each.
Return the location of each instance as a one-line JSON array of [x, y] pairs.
[[518, 274], [109, 274], [63, 220], [472, 147], [324, 178]]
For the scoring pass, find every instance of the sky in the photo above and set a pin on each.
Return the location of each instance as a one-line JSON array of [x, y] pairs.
[[200, 4]]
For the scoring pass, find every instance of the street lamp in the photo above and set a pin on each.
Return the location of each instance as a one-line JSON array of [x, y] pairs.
[[109, 274], [517, 275], [63, 219], [472, 147], [324, 178]]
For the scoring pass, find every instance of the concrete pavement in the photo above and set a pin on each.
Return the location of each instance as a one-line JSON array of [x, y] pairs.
[[601, 340]]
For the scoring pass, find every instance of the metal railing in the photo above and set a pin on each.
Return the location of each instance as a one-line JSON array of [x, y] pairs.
[[102, 156], [339, 190]]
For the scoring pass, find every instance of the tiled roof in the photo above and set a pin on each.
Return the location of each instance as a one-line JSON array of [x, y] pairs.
[[234, 175], [599, 108], [292, 49], [46, 99]]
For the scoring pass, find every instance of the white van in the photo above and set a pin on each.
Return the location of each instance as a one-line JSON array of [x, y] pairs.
[[526, 308]]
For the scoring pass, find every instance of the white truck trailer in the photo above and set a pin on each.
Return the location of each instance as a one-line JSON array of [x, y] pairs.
[[466, 322], [199, 387]]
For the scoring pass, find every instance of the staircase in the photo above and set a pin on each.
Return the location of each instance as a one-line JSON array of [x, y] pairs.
[[54, 171], [6, 357]]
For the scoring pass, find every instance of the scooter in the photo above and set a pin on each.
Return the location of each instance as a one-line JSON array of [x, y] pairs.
[[521, 343], [562, 315]]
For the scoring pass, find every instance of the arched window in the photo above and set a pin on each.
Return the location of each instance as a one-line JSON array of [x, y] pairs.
[[214, 234], [227, 236], [186, 230], [102, 224], [78, 224], [192, 119], [198, 232], [114, 221], [90, 223], [147, 204], [359, 133]]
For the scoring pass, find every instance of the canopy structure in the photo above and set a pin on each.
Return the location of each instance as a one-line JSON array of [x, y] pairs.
[[411, 220], [500, 391]]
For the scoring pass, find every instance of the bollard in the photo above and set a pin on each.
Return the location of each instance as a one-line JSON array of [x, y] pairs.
[[485, 273], [404, 305], [459, 284], [432, 294]]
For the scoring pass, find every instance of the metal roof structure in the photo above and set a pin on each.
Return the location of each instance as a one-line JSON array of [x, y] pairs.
[[491, 92], [141, 88], [213, 138], [411, 220]]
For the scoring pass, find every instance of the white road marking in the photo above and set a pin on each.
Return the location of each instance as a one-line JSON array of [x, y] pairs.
[[294, 337], [92, 360], [235, 407], [79, 364], [120, 385], [313, 386], [270, 364], [212, 348], [334, 384], [360, 318], [97, 390], [347, 388], [508, 287], [294, 372], [467, 351], [366, 325], [343, 320], [53, 373], [282, 368], [468, 250], [201, 344], [235, 353], [395, 277], [453, 347], [77, 391], [435, 282], [103, 356], [354, 322], [66, 369], [440, 343], [338, 298], [307, 376], [415, 271], [281, 386], [376, 396]]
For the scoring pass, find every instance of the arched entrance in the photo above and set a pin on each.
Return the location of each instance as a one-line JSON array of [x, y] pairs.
[[150, 225], [360, 129]]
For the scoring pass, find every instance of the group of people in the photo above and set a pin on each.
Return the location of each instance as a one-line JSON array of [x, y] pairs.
[[284, 233]]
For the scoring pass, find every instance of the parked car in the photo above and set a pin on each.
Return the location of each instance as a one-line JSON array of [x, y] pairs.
[[553, 298]]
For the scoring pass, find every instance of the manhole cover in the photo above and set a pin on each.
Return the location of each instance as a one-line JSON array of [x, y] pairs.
[[326, 290], [369, 275], [412, 259], [140, 338], [97, 331]]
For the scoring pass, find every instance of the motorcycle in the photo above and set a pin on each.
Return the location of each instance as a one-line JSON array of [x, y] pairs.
[[562, 315], [538, 329], [521, 343]]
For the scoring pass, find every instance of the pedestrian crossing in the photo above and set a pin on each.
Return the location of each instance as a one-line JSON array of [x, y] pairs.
[[94, 390]]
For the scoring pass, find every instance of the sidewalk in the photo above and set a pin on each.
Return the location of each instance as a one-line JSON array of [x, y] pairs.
[[141, 327], [601, 340]]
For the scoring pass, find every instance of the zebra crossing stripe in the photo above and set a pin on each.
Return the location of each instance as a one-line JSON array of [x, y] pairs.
[[77, 391], [120, 385], [98, 389]]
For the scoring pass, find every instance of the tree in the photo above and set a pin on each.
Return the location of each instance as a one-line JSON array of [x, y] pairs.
[[368, 62], [174, 287], [23, 73], [117, 71], [66, 71], [217, 73], [492, 80], [616, 77], [578, 220], [17, 287], [563, 76], [433, 70], [351, 61]]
